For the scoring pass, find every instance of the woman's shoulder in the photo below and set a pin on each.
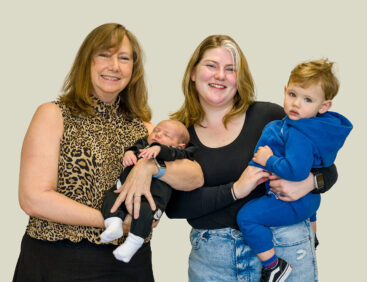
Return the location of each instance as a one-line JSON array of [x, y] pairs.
[[49, 110], [266, 105], [46, 121], [63, 107], [267, 110], [149, 126]]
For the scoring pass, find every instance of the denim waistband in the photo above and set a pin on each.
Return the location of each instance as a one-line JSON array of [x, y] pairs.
[[223, 232]]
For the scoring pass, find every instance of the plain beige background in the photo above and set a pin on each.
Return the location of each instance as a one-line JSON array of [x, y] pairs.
[[39, 40]]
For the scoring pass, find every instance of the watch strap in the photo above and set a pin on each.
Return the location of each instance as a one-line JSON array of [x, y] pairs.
[[161, 170]]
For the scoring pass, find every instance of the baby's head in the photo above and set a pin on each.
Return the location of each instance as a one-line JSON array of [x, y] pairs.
[[170, 133], [310, 90]]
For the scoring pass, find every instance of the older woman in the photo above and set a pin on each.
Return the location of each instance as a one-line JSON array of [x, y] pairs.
[[225, 123], [72, 154]]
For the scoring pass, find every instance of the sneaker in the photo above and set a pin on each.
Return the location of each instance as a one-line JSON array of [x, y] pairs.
[[278, 273], [316, 242]]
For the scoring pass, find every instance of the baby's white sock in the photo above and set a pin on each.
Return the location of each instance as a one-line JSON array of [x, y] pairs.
[[113, 229], [131, 245]]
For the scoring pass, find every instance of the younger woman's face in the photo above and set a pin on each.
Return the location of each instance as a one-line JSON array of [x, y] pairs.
[[215, 78]]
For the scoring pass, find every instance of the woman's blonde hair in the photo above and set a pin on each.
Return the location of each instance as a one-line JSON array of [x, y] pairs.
[[191, 112], [77, 88]]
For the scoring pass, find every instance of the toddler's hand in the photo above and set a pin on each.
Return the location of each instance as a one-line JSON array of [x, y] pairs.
[[129, 159], [150, 153], [262, 155]]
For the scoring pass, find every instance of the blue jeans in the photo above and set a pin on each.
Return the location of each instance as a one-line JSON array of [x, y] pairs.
[[255, 218], [222, 255]]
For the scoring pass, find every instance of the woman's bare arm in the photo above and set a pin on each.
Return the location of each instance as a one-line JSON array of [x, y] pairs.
[[183, 175], [138, 182], [38, 196], [149, 126]]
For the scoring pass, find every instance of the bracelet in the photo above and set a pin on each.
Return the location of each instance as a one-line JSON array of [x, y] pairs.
[[233, 194]]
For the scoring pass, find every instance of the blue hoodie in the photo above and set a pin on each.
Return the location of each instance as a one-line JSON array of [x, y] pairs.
[[299, 145]]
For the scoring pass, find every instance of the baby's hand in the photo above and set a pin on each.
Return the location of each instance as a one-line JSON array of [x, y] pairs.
[[150, 152], [262, 155], [129, 159]]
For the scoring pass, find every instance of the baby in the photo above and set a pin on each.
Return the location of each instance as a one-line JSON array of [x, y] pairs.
[[308, 137], [167, 142]]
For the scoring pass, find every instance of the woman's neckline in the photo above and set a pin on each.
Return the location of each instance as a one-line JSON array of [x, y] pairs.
[[102, 107], [235, 140]]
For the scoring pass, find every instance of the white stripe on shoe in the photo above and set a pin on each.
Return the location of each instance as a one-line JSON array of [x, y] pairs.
[[285, 274]]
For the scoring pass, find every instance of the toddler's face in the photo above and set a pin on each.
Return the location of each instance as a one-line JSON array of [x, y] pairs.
[[304, 102], [165, 133]]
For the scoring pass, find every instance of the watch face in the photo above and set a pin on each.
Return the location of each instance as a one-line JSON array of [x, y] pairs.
[[320, 180]]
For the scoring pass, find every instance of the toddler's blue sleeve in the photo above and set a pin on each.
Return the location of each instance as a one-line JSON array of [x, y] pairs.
[[297, 162]]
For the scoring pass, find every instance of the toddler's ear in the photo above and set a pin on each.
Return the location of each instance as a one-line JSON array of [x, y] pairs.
[[181, 146], [325, 106]]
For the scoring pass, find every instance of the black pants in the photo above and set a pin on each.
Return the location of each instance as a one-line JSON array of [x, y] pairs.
[[142, 226], [65, 261]]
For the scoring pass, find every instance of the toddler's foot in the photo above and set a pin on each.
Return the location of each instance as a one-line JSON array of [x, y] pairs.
[[279, 273], [316, 242], [131, 245], [113, 229]]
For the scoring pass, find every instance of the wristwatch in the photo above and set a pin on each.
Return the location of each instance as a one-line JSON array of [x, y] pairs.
[[161, 168], [319, 181]]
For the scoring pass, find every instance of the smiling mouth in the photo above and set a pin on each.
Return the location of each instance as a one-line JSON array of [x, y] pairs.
[[112, 78], [218, 86]]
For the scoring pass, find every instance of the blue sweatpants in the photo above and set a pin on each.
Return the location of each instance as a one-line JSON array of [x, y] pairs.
[[256, 216]]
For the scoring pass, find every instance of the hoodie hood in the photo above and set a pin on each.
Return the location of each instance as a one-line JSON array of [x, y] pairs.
[[327, 132]]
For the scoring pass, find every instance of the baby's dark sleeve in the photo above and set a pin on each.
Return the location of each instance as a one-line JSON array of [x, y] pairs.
[[138, 145], [170, 153]]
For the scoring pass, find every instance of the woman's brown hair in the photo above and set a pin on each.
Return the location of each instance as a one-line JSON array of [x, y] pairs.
[[77, 88]]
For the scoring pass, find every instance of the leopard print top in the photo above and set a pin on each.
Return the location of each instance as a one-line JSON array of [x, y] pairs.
[[91, 152]]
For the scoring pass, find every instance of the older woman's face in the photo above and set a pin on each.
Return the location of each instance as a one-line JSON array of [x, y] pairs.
[[111, 71], [215, 78]]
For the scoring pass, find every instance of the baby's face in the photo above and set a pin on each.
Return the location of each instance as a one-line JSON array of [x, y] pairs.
[[302, 102], [165, 133]]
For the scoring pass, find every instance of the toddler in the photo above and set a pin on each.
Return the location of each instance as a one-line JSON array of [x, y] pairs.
[[308, 137]]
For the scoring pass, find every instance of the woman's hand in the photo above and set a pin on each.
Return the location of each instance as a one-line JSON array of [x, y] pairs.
[[250, 178], [155, 223], [290, 190], [136, 185]]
